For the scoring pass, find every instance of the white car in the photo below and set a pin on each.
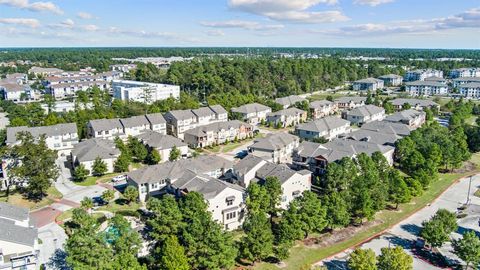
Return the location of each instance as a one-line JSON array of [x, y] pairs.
[[119, 178]]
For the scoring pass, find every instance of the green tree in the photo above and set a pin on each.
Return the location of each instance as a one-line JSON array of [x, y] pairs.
[[138, 150], [174, 153], [338, 212], [312, 213], [436, 231], [172, 255], [257, 244], [86, 203], [273, 188], [130, 194], [398, 188], [81, 173], [166, 219], [32, 164], [108, 195], [257, 198], [99, 167], [362, 259], [394, 259], [468, 248], [122, 163], [153, 157], [290, 226]]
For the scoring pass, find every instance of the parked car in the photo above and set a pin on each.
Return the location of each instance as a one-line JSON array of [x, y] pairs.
[[98, 201], [119, 178]]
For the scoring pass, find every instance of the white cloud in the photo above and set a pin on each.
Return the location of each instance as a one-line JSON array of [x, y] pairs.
[[215, 33], [248, 25], [151, 35], [467, 19], [33, 23], [372, 3], [89, 27], [84, 15], [34, 6], [290, 10]]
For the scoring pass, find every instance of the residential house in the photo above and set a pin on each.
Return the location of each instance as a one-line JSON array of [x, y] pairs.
[[157, 123], [316, 157], [253, 113], [221, 115], [347, 103], [411, 118], [19, 245], [255, 169], [105, 128], [218, 133], [391, 80], [426, 88], [163, 143], [365, 114], [322, 108], [135, 125], [368, 84], [465, 72], [417, 104], [422, 74], [470, 90], [328, 127], [86, 152], [275, 147], [144, 92], [287, 117], [388, 128], [371, 136], [61, 137], [289, 101]]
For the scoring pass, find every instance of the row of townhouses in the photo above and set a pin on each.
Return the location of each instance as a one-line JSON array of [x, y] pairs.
[[14, 87]]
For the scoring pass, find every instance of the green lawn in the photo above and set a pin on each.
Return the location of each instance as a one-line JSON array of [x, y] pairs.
[[18, 199], [301, 255], [92, 180], [119, 205], [472, 120]]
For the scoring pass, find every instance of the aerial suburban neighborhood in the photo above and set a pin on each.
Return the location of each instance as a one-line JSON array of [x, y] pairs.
[[253, 135]]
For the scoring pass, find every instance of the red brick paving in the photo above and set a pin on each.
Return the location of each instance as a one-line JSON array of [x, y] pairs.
[[44, 216], [69, 203], [107, 186]]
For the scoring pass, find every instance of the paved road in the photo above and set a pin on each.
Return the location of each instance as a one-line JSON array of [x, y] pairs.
[[4, 122], [407, 230], [53, 238]]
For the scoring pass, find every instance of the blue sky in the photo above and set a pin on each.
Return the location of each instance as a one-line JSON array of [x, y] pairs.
[[295, 23]]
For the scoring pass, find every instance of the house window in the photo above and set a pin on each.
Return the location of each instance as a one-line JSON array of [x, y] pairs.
[[229, 202], [106, 132], [231, 215]]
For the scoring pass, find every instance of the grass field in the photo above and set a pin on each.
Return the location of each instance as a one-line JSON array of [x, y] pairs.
[[17, 199], [301, 255], [92, 180]]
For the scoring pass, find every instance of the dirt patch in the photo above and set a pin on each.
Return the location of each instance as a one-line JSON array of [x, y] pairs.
[[337, 236], [467, 167]]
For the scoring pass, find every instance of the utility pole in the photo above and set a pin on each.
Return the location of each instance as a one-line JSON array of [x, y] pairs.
[[469, 188]]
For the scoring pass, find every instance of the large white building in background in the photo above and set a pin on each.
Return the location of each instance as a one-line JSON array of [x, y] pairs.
[[143, 91], [422, 74], [426, 88], [465, 72], [470, 90]]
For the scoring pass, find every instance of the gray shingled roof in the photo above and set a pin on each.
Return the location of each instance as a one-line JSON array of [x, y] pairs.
[[55, 130], [388, 127], [247, 163], [179, 115], [413, 102], [13, 212], [216, 127], [372, 136], [281, 171], [366, 110], [290, 100], [391, 76], [155, 118], [368, 80], [160, 141], [288, 112], [470, 85], [90, 149], [356, 147], [175, 169], [251, 108], [203, 112], [274, 141], [12, 233], [405, 115], [106, 124], [218, 109], [350, 99], [426, 83], [135, 121], [320, 103], [467, 79], [208, 186], [323, 124]]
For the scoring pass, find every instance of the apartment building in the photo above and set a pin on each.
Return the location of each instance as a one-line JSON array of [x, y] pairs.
[[105, 128], [44, 72], [411, 118], [275, 147], [385, 127], [256, 169], [289, 101], [417, 104], [459, 81], [365, 114], [286, 117], [368, 84], [253, 113], [218, 133], [124, 68], [144, 92], [157, 123], [19, 244], [163, 144], [391, 80], [470, 90], [328, 127], [179, 121], [86, 152], [347, 103], [426, 88], [61, 138], [422, 74], [135, 125], [465, 72], [322, 108]]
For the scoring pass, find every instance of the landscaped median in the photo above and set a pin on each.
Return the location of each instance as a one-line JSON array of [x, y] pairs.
[[302, 256]]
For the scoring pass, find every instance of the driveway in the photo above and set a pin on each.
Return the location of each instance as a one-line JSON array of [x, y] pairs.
[[406, 231], [53, 238]]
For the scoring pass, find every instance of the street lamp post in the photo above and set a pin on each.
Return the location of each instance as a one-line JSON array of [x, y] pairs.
[[469, 188]]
